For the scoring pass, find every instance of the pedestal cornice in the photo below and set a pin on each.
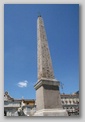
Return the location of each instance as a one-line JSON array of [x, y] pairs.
[[45, 81]]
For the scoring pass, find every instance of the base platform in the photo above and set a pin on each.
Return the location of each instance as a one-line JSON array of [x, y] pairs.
[[51, 112]]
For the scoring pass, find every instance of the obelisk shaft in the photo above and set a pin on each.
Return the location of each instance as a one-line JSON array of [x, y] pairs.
[[45, 69]]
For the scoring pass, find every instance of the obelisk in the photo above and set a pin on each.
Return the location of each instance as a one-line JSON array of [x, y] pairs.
[[48, 100]]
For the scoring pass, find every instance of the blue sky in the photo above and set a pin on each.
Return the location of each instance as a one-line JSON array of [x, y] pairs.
[[20, 46]]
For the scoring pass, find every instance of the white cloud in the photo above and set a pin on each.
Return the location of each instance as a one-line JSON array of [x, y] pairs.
[[23, 84]]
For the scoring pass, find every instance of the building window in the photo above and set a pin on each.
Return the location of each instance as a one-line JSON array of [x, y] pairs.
[[5, 114], [77, 102], [63, 102], [70, 102], [66, 102], [74, 102]]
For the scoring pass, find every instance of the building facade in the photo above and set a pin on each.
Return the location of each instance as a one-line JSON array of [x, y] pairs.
[[70, 102], [27, 107], [18, 107]]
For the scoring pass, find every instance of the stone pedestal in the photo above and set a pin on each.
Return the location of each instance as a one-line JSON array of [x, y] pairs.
[[48, 98]]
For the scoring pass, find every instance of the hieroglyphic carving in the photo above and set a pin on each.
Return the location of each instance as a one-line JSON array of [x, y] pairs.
[[45, 69]]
